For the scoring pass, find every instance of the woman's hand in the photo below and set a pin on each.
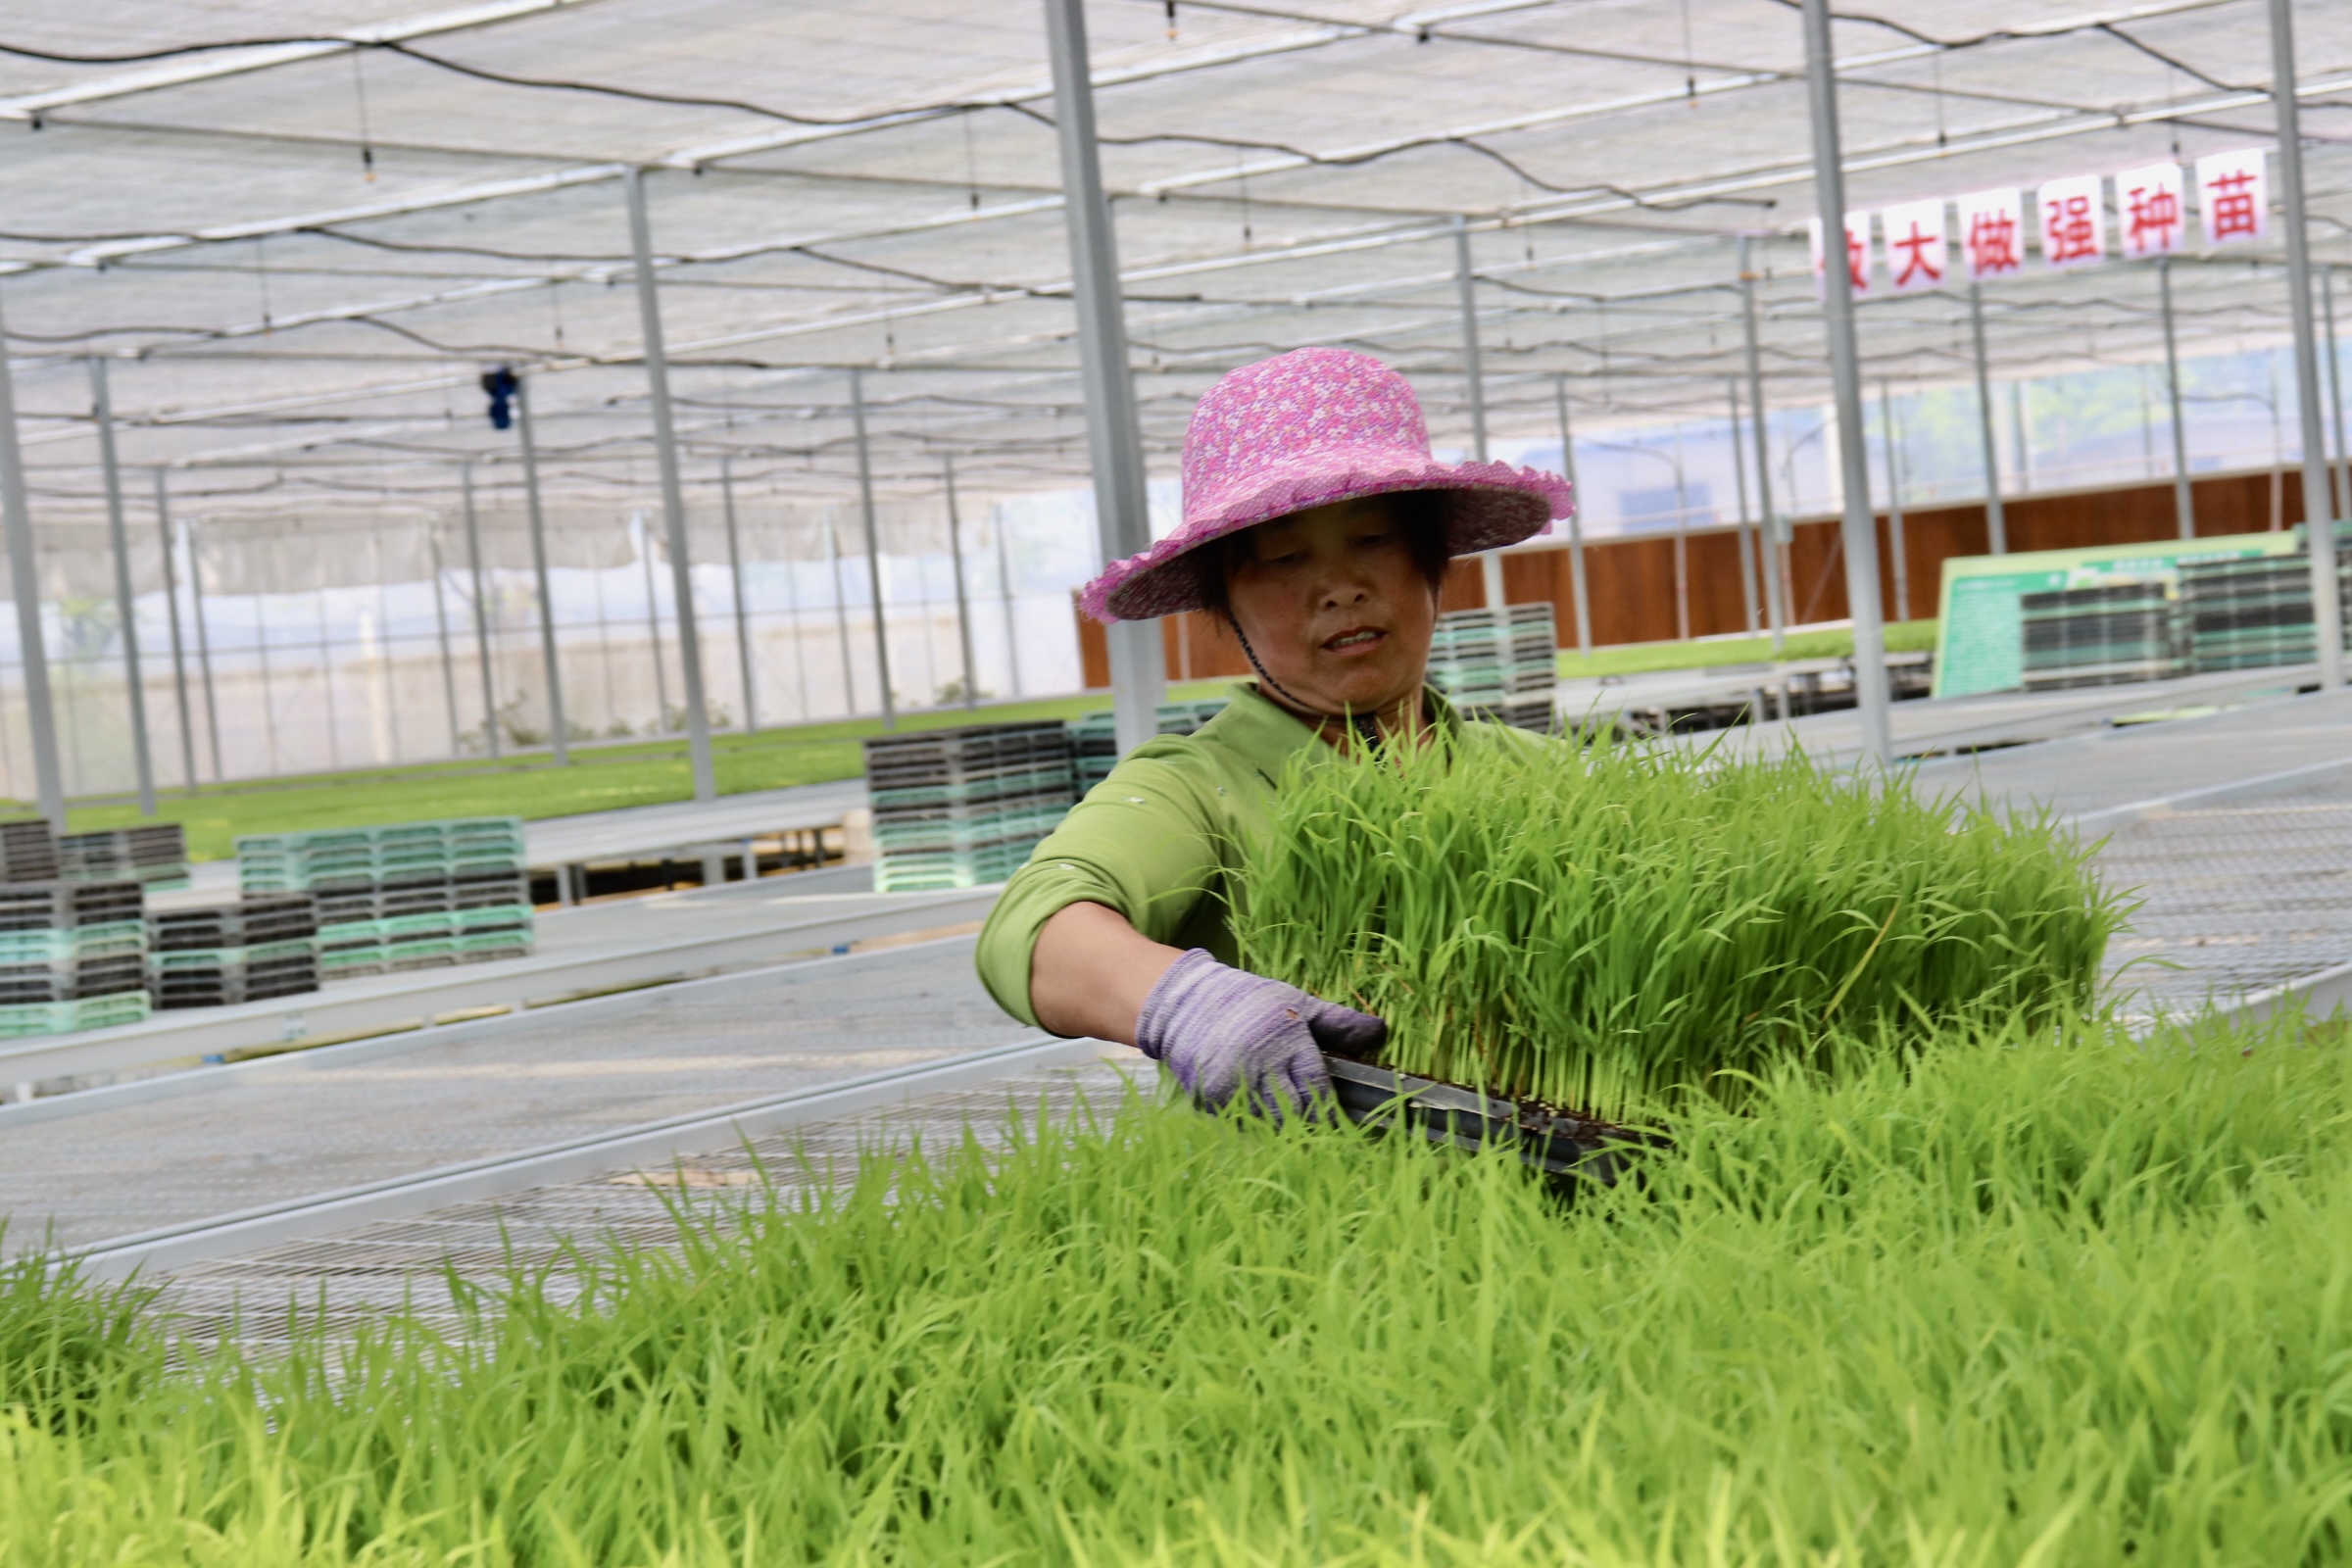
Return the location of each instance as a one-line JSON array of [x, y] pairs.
[[1223, 1032], [1219, 1030]]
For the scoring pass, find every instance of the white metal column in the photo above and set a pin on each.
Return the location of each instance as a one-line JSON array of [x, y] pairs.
[[1745, 535], [841, 615], [1474, 381], [1860, 528], [743, 619], [873, 549], [2184, 503], [203, 653], [1996, 526], [15, 511], [103, 406], [963, 602], [673, 495], [1576, 524], [1897, 559], [481, 612], [1760, 441], [558, 727], [1115, 440], [179, 661], [2342, 489], [2319, 512], [448, 663]]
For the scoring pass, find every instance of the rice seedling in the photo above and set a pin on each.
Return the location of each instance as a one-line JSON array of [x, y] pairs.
[[1598, 928], [2008, 1299], [69, 1345]]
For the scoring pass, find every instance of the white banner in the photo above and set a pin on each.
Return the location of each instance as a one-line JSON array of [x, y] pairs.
[[1992, 234], [2151, 209], [1916, 255], [1857, 253], [2233, 191], [2074, 222]]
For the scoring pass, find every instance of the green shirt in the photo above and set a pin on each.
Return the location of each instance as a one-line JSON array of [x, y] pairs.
[[1158, 841]]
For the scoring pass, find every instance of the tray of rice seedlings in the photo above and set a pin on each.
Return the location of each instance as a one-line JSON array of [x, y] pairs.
[[1567, 942]]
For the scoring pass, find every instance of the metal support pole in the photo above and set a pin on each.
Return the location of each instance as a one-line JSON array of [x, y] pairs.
[[873, 548], [1474, 381], [1996, 526], [2185, 506], [558, 727], [743, 619], [1900, 566], [1012, 641], [104, 407], [204, 653], [2326, 609], [841, 615], [448, 663], [1768, 537], [2342, 489], [16, 512], [1682, 551], [963, 603], [1115, 440], [179, 663], [1860, 528], [1742, 536], [652, 625], [1576, 524], [673, 495], [481, 612]]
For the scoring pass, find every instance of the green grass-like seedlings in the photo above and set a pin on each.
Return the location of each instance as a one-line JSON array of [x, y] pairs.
[[1605, 928], [2059, 1298]]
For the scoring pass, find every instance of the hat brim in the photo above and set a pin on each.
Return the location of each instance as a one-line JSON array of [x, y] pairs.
[[1490, 504]]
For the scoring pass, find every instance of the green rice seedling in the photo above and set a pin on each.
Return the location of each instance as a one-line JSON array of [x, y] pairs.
[[2008, 1299], [69, 1344], [1599, 927]]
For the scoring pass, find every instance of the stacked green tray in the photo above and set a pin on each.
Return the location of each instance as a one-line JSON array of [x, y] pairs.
[[964, 807], [405, 852], [24, 1019]]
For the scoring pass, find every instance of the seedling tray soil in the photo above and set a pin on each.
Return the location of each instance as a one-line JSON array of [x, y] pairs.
[[1563, 1146]]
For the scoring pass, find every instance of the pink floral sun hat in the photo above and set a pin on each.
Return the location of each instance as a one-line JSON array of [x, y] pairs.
[[1304, 429]]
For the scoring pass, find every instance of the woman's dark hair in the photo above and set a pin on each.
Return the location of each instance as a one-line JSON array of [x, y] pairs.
[[1419, 514]]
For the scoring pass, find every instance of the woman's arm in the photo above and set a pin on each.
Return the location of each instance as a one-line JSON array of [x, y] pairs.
[[1091, 971]]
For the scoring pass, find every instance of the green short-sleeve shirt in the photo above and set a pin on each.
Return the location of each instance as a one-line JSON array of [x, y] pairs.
[[1159, 841]]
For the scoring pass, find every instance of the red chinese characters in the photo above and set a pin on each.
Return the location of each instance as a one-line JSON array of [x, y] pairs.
[[2235, 190], [1992, 234], [2149, 204], [1857, 253], [2074, 222], [1916, 257]]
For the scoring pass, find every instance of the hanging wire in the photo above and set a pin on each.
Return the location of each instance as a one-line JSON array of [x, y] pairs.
[[261, 273], [359, 87], [1935, 69], [1689, 61], [971, 158]]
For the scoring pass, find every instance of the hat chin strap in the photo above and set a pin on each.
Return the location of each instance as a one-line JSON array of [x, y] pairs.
[[1367, 730]]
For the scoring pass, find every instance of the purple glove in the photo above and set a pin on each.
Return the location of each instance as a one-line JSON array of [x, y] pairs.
[[1220, 1031]]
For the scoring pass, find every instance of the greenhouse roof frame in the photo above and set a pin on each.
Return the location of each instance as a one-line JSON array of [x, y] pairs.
[[302, 232]]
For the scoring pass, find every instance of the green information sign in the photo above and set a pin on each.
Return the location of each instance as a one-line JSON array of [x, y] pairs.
[[1978, 645]]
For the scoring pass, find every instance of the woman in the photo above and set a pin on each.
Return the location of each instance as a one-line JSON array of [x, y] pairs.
[[1318, 525]]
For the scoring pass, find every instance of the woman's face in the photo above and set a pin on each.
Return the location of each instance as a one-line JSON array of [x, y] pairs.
[[1334, 605]]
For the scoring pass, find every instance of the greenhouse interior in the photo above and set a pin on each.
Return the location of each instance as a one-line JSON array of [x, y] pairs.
[[1175, 781]]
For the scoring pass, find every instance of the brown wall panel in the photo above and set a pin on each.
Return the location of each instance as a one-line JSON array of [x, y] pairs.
[[1630, 581]]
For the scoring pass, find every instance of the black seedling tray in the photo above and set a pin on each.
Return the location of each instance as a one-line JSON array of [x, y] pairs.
[[1564, 1148]]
